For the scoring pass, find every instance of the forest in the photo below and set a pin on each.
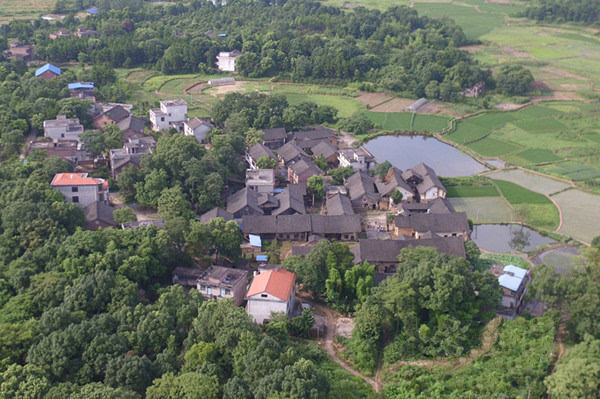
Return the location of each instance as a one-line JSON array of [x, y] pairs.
[[298, 40], [581, 11]]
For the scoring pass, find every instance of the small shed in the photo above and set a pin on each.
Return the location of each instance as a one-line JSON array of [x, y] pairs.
[[222, 81], [414, 107]]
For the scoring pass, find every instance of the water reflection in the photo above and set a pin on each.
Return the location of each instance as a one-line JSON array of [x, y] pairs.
[[507, 238], [407, 151]]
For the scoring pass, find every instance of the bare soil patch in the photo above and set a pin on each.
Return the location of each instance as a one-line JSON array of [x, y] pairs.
[[515, 53], [371, 100], [196, 88], [561, 73], [222, 90], [476, 48], [509, 106], [395, 105]]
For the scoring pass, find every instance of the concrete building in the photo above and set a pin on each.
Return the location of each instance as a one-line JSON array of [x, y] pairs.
[[513, 282], [226, 60], [219, 282], [260, 180], [63, 128], [271, 291], [172, 113], [80, 189], [358, 158], [198, 128]]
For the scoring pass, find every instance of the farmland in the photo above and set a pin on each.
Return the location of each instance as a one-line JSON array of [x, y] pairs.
[[560, 138], [499, 201], [408, 122], [21, 9]]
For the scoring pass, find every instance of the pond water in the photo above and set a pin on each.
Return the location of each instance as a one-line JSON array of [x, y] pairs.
[[507, 238], [407, 151]]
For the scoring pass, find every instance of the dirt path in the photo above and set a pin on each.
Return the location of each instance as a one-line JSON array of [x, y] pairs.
[[331, 318]]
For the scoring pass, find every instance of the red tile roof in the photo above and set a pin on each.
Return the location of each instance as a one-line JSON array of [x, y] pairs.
[[278, 283], [76, 179]]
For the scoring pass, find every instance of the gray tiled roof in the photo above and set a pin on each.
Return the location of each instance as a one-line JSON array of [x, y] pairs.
[[258, 151], [290, 151], [387, 251], [338, 204], [276, 133], [434, 222], [290, 200], [317, 224], [391, 182], [239, 200], [324, 149], [215, 213], [360, 184]]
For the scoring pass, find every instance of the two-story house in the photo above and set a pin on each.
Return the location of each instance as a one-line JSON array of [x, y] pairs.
[[219, 282], [226, 60], [171, 114], [63, 128], [357, 158], [513, 282], [271, 291], [80, 189]]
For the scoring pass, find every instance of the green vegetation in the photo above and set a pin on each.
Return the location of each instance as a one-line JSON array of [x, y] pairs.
[[532, 208], [22, 9], [470, 187], [408, 122], [407, 317], [486, 260], [516, 367], [584, 11], [559, 138]]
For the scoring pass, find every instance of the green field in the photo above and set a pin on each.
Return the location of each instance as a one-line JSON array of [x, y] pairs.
[[491, 209], [470, 187], [20, 9], [408, 122], [560, 138]]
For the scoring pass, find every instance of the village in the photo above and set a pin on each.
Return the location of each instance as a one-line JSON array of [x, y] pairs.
[[286, 198]]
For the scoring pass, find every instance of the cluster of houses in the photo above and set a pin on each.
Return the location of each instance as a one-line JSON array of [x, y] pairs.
[[274, 203]]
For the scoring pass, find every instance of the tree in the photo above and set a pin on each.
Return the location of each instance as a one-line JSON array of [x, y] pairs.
[[358, 123], [124, 215], [316, 188], [254, 136], [381, 169], [577, 375], [397, 197], [266, 163], [339, 175], [514, 80], [189, 385]]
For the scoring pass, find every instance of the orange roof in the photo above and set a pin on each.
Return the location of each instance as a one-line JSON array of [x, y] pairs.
[[278, 283], [75, 179]]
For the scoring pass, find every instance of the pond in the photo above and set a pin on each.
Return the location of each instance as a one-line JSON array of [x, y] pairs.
[[507, 238], [407, 151]]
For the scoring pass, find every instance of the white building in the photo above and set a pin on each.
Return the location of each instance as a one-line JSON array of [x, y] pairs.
[[63, 128], [271, 291], [358, 158], [513, 282], [261, 180], [226, 60], [80, 189], [171, 113], [197, 128]]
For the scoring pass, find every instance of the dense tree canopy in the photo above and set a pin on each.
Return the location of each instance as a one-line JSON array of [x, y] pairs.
[[432, 307], [584, 11]]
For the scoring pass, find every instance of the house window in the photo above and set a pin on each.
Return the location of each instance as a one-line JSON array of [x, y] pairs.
[[202, 287], [62, 135], [209, 290], [225, 292], [162, 118], [263, 295], [75, 199], [74, 189]]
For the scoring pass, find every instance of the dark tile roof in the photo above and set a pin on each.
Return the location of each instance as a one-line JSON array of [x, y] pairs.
[[274, 134], [387, 251], [324, 149], [338, 204], [117, 113], [391, 182], [360, 184], [317, 224], [434, 222], [426, 175], [290, 200], [290, 151], [336, 224], [258, 151], [306, 168], [438, 205], [215, 213], [132, 123], [241, 199], [317, 133]]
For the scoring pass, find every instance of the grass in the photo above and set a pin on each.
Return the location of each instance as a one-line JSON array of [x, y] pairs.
[[533, 209], [484, 209], [475, 186], [405, 122], [561, 138], [20, 9], [487, 260]]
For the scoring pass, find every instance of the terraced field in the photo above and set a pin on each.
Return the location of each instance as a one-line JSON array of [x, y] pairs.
[[21, 9]]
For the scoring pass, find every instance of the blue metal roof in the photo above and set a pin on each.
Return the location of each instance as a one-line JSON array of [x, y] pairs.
[[81, 85], [48, 67], [92, 10], [262, 258]]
